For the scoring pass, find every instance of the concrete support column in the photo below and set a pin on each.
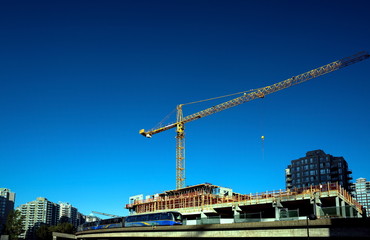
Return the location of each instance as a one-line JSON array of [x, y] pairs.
[[277, 205], [236, 209], [358, 214], [351, 211], [315, 201], [317, 210], [277, 213], [343, 209], [337, 206]]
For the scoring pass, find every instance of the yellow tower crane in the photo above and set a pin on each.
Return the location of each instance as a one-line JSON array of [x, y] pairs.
[[246, 97]]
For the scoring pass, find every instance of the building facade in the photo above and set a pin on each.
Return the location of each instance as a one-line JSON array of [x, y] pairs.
[[42, 211], [68, 213], [7, 199], [36, 213], [361, 189], [317, 168]]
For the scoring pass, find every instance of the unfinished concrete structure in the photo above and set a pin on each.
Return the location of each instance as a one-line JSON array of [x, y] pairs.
[[207, 200]]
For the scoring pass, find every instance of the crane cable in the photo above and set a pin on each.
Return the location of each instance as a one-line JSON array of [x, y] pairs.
[[262, 129], [232, 94], [161, 123]]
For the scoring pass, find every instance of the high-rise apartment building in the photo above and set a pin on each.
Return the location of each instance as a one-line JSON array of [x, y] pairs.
[[42, 211], [317, 168], [7, 199], [38, 212], [361, 190], [68, 213]]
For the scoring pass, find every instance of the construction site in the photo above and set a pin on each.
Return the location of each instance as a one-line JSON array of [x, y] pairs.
[[207, 201]]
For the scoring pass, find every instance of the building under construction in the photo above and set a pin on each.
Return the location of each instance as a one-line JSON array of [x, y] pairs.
[[207, 200]]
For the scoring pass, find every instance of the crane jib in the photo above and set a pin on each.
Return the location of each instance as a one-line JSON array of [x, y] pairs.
[[262, 92], [246, 97]]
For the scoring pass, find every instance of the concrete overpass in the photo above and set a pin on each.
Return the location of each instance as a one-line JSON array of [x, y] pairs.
[[340, 228]]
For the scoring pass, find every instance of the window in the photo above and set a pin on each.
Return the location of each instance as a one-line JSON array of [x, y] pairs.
[[165, 216], [177, 216]]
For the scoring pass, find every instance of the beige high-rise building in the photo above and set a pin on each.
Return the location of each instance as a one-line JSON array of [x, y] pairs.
[[68, 213], [38, 212]]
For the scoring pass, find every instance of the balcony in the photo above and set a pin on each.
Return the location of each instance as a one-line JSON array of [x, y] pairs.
[[334, 172]]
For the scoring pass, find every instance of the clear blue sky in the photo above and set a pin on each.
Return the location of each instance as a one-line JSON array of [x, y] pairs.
[[79, 79]]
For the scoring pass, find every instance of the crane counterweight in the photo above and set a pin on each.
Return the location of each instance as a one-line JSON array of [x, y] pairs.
[[145, 134]]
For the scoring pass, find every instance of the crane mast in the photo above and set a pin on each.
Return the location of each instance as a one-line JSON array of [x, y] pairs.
[[246, 97]]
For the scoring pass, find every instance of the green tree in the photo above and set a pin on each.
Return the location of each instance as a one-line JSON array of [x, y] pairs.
[[14, 224], [63, 228], [43, 233]]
